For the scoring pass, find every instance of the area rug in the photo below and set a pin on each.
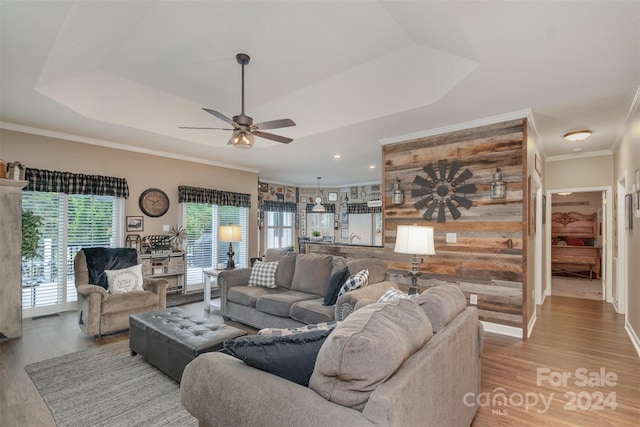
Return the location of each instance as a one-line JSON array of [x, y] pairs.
[[106, 386], [176, 299]]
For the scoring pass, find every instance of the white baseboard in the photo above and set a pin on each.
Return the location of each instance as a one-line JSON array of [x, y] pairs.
[[496, 328], [632, 336]]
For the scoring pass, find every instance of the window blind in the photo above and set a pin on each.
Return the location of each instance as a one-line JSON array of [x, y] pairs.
[[71, 222]]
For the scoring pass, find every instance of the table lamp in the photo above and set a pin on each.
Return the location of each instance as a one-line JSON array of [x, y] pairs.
[[415, 240], [230, 233]]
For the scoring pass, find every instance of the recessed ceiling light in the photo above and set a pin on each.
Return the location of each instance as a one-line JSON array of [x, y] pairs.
[[337, 156], [578, 135], [372, 167]]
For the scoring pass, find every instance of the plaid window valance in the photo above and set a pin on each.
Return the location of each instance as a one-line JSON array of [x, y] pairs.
[[273, 206], [361, 208], [208, 196], [329, 207], [75, 183]]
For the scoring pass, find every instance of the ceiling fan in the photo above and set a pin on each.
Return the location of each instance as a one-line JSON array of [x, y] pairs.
[[243, 127]]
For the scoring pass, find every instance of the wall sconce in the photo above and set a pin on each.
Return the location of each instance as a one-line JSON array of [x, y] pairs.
[[397, 196], [498, 186]]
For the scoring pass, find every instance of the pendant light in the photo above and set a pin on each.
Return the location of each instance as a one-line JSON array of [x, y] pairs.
[[318, 208]]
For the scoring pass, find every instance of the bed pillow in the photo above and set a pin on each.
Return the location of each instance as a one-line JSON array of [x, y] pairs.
[[571, 241], [125, 280], [263, 274], [291, 357]]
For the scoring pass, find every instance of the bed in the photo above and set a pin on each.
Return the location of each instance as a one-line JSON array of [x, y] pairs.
[[574, 249]]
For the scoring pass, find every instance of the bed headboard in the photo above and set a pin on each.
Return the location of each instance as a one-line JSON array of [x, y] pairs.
[[573, 225]]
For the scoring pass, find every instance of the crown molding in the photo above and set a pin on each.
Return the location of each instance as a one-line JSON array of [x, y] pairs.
[[635, 104], [460, 126], [118, 146], [577, 156]]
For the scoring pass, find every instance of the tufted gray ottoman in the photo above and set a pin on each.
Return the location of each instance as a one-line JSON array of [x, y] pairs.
[[171, 338]]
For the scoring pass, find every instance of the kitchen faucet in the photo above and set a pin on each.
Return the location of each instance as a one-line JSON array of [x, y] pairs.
[[353, 236]]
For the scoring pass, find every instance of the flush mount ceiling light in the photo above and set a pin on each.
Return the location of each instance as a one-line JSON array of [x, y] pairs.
[[577, 136]]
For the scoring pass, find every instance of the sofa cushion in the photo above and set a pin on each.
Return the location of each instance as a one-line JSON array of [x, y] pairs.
[[312, 311], [312, 273], [291, 357], [366, 349], [125, 280], [263, 274], [442, 304], [125, 302], [358, 280], [337, 280], [280, 304], [286, 266], [248, 295], [377, 268]]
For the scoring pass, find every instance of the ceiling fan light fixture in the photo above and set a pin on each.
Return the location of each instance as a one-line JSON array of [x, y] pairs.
[[577, 136], [242, 139]]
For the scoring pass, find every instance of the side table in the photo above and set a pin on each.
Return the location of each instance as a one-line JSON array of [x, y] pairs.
[[209, 276]]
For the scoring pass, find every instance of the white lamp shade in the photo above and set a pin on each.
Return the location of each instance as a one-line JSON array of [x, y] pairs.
[[414, 239], [229, 233]]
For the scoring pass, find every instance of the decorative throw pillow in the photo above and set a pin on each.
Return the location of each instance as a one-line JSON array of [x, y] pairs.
[[291, 357], [393, 293], [335, 284], [325, 326], [263, 274], [125, 280], [358, 280], [366, 349]]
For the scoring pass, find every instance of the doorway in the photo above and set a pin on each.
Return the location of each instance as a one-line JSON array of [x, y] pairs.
[[572, 281]]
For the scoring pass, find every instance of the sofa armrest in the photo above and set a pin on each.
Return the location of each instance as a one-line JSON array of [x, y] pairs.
[[87, 290], [351, 301], [220, 390], [158, 287], [227, 279]]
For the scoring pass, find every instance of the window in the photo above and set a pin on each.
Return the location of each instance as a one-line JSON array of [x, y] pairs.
[[203, 250], [322, 222], [71, 222], [279, 229]]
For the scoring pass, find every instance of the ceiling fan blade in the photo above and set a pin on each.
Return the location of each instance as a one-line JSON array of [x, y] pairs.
[[221, 117], [194, 127], [275, 124], [273, 137]]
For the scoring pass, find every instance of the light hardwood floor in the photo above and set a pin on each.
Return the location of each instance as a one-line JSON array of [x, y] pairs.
[[570, 334]]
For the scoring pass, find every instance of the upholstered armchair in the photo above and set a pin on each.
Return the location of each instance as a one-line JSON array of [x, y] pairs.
[[101, 312]]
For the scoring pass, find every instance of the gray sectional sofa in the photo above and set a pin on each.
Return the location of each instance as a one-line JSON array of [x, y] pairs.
[[302, 281], [396, 363]]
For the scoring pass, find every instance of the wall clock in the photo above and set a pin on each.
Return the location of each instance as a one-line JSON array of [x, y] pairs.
[[443, 190], [154, 202]]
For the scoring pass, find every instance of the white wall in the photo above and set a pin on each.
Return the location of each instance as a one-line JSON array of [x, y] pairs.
[[626, 161]]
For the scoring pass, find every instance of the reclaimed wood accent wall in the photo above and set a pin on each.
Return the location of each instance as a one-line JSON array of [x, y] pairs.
[[488, 257]]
